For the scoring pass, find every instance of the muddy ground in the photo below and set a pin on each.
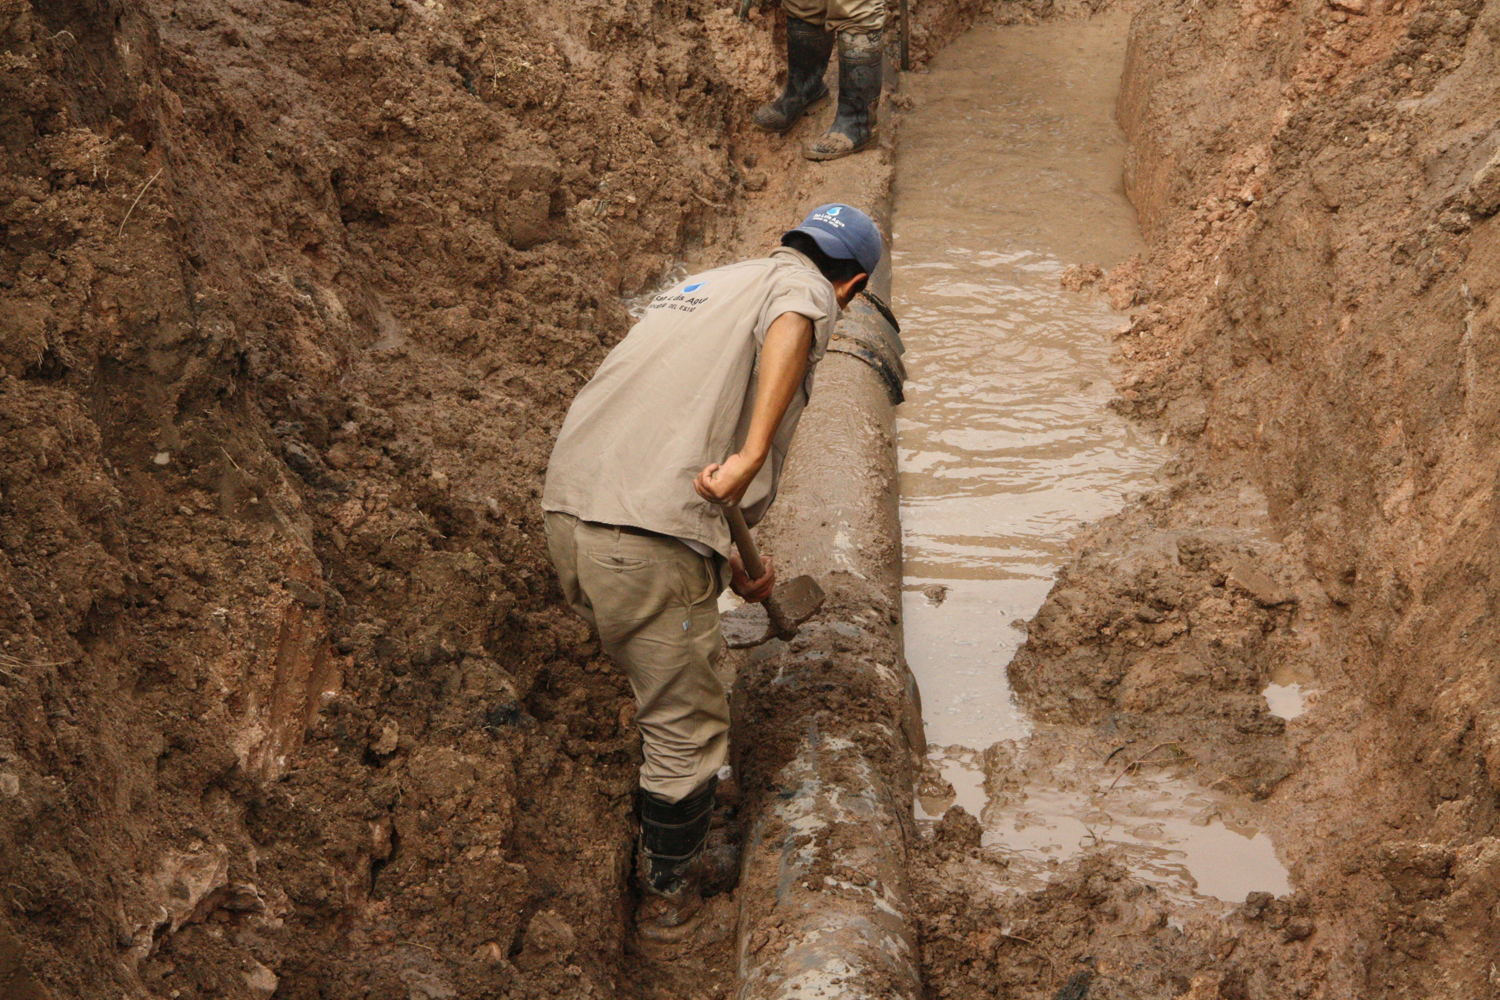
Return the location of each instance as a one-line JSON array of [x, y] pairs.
[[294, 296], [292, 301], [1311, 332]]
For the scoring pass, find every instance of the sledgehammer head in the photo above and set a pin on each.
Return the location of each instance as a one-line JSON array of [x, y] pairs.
[[777, 617]]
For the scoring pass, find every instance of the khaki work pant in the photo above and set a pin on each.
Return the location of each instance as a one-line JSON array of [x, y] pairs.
[[655, 604], [839, 15]]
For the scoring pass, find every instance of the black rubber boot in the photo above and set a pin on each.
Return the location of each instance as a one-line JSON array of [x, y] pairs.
[[674, 918], [853, 128], [672, 835], [808, 47]]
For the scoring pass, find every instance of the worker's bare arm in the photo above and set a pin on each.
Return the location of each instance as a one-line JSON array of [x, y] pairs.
[[783, 363]]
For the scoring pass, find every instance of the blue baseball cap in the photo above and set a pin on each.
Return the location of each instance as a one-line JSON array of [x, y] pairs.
[[845, 233]]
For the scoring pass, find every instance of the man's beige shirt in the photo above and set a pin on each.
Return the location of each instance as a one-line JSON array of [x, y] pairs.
[[677, 394]]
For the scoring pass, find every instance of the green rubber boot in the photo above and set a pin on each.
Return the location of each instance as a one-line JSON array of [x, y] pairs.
[[808, 48], [853, 128]]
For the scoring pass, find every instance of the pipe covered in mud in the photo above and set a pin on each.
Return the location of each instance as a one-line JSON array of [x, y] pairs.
[[830, 722]]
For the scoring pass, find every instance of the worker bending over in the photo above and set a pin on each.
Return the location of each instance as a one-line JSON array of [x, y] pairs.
[[694, 409], [811, 27]]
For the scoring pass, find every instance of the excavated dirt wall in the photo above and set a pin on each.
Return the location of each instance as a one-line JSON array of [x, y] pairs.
[[1314, 329], [293, 297]]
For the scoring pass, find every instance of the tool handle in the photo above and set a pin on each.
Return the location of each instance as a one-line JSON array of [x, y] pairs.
[[749, 555], [755, 569]]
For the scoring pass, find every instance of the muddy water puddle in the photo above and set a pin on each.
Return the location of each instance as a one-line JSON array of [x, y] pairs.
[[1042, 801], [1009, 172]]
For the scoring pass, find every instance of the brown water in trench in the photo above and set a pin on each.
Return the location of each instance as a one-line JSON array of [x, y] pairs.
[[1009, 171]]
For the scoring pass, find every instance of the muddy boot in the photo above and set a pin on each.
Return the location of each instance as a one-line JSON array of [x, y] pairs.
[[853, 127], [672, 918], [808, 47]]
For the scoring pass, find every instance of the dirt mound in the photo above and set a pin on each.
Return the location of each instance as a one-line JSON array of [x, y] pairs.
[[292, 300]]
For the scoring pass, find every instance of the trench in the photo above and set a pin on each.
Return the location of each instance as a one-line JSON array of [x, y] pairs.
[[369, 256], [1010, 171]]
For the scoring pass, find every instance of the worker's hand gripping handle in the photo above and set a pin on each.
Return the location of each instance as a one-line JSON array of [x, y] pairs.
[[756, 569]]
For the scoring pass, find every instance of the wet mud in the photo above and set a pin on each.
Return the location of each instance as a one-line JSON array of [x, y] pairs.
[[1011, 216], [1281, 612]]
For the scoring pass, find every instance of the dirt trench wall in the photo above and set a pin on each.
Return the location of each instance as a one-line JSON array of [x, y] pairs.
[[1317, 318], [293, 298]]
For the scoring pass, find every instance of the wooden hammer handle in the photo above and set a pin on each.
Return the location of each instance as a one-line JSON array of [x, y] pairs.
[[749, 555], [756, 569]]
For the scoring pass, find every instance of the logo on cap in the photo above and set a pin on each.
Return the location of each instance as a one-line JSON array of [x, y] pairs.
[[835, 210], [694, 287]]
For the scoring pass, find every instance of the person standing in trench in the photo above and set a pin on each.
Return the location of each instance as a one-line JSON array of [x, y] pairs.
[[694, 409], [811, 29]]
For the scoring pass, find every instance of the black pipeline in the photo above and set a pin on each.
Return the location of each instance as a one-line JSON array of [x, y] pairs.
[[824, 899]]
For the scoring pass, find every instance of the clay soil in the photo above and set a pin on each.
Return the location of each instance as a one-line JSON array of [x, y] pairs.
[[293, 298], [1313, 332]]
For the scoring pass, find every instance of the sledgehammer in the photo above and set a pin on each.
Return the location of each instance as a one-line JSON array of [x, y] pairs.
[[778, 616]]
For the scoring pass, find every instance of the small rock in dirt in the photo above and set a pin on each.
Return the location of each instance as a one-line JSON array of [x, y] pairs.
[[549, 939], [184, 880], [1483, 195], [931, 785], [935, 593], [380, 838], [1261, 588], [1255, 905], [1297, 929], [243, 897], [10, 786], [303, 594], [1349, 6], [490, 953], [1427, 860], [386, 741], [1121, 297], [261, 980], [959, 829]]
